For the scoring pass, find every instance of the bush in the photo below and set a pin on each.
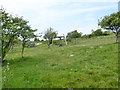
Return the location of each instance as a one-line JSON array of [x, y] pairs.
[[105, 33], [98, 32]]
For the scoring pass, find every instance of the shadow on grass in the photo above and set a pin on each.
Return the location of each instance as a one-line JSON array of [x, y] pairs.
[[17, 60]]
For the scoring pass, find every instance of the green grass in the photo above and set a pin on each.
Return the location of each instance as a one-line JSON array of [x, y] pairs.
[[94, 65]]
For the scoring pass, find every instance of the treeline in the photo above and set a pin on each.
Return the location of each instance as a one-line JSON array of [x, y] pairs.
[[96, 33], [76, 34], [110, 23]]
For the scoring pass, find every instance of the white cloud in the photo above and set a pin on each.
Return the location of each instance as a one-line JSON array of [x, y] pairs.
[[42, 3], [42, 7], [97, 0]]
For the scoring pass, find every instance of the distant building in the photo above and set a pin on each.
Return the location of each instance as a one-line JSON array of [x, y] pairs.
[[119, 6]]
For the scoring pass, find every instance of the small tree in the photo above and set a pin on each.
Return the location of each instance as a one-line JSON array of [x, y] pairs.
[[112, 23], [74, 34], [50, 35], [26, 33]]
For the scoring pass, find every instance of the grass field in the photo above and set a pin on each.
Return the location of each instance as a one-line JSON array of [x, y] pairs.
[[91, 63]]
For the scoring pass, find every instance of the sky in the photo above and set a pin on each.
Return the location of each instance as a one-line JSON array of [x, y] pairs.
[[62, 15]]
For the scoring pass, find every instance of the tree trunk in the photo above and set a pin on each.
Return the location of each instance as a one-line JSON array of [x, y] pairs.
[[11, 47], [22, 51], [75, 40], [6, 48], [2, 57], [48, 43], [23, 45], [116, 38]]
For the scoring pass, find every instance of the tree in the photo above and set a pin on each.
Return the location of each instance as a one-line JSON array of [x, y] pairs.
[[112, 23], [50, 35], [74, 34], [84, 36], [13, 27], [26, 33], [105, 33], [98, 32], [10, 31]]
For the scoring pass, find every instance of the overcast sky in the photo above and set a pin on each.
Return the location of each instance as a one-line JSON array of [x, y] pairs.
[[62, 15]]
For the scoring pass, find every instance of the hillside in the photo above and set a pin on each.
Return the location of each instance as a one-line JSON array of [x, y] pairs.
[[90, 63]]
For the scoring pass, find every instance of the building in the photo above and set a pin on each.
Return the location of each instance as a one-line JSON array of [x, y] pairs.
[[119, 6]]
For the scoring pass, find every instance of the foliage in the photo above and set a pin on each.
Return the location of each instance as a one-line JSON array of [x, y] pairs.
[[36, 40], [14, 27], [98, 32], [105, 33], [87, 36], [10, 31], [112, 23], [26, 33], [73, 34]]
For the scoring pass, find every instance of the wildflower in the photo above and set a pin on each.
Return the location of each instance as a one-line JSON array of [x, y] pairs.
[[71, 55]]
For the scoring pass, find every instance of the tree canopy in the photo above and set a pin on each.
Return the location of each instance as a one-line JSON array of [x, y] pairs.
[[14, 27], [50, 34], [73, 34], [97, 32], [112, 23]]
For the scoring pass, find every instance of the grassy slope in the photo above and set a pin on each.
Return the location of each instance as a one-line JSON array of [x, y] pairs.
[[94, 64]]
